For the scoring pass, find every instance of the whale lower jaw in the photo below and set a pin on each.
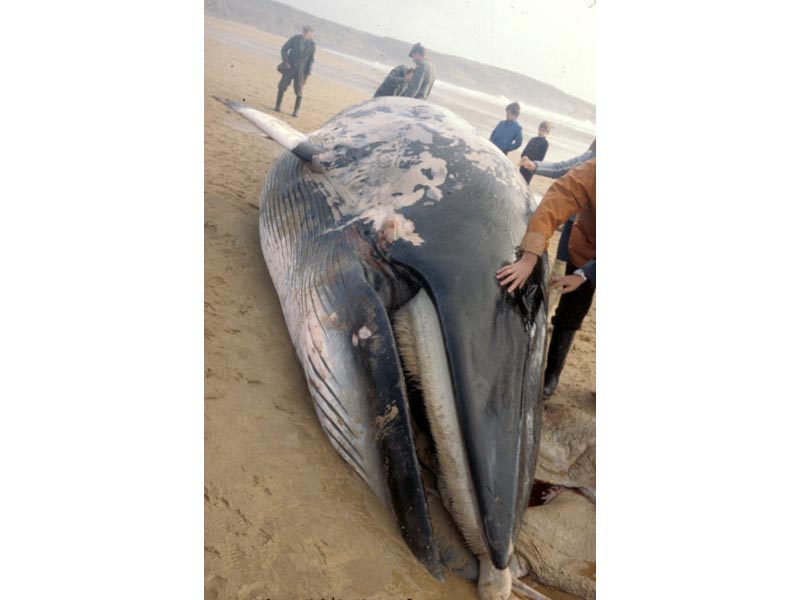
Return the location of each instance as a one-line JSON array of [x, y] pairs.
[[421, 345]]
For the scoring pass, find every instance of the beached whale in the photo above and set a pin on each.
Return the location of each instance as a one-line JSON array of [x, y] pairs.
[[382, 232]]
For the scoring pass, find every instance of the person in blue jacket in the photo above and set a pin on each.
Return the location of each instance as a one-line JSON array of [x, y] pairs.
[[508, 134]]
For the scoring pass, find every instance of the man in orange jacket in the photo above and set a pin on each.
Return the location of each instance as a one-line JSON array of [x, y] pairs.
[[573, 193]]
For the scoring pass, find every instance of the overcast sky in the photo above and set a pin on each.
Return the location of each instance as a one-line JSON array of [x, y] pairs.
[[551, 40]]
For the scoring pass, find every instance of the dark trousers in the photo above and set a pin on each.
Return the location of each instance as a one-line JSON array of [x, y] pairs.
[[287, 78], [573, 306], [563, 243]]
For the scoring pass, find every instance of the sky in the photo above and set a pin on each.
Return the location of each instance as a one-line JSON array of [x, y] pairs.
[[553, 40]]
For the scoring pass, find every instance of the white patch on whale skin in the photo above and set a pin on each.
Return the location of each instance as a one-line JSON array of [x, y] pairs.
[[488, 158], [364, 333], [417, 134], [391, 226], [396, 174], [393, 172], [434, 194], [391, 180]]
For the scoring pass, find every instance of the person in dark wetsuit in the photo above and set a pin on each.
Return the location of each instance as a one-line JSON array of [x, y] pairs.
[[536, 148], [395, 82], [297, 55]]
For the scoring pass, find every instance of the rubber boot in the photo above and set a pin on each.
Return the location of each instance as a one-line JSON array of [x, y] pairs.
[[560, 343], [297, 102], [279, 100]]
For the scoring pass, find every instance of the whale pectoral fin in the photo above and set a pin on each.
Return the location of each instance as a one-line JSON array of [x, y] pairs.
[[361, 364], [287, 136]]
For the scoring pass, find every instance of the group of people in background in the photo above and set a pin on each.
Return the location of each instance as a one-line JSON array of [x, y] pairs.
[[297, 56], [569, 202], [507, 136], [411, 82]]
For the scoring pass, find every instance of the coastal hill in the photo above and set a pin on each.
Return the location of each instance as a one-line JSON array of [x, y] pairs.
[[281, 19]]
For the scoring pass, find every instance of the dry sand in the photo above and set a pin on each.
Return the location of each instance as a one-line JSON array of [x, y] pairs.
[[285, 517]]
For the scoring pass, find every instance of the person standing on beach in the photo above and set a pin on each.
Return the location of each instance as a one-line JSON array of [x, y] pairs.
[[395, 82], [508, 134], [576, 191], [536, 148], [297, 55], [424, 74]]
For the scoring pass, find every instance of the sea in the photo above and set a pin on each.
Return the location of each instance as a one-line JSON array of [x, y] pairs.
[[570, 136]]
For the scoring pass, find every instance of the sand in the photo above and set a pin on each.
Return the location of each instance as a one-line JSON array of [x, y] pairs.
[[285, 517]]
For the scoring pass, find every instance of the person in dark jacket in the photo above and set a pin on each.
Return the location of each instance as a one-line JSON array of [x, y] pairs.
[[424, 74], [395, 82], [536, 148], [297, 55], [508, 134]]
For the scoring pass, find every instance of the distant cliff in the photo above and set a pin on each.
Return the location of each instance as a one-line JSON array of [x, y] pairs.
[[281, 19]]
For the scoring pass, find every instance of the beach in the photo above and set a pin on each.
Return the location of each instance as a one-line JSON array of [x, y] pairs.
[[285, 516]]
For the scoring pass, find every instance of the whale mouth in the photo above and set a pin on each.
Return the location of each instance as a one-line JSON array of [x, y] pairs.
[[440, 444]]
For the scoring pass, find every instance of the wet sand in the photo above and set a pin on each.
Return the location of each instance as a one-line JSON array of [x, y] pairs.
[[285, 517]]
